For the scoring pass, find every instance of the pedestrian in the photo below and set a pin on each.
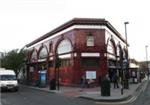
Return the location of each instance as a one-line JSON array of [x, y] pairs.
[[115, 79], [83, 81]]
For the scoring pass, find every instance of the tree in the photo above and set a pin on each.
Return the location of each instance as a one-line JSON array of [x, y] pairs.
[[14, 60]]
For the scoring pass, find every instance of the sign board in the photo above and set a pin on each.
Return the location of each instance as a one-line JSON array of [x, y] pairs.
[[43, 78], [42, 71], [90, 74]]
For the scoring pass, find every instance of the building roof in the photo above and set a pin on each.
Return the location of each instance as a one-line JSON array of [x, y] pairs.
[[78, 21]]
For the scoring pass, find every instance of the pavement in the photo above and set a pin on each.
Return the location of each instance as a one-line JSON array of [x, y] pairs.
[[94, 93]]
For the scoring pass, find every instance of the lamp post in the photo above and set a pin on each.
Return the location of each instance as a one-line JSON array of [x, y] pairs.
[[127, 58], [125, 23], [147, 61]]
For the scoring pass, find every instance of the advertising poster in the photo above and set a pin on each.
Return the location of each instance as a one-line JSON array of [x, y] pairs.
[[43, 78], [90, 74]]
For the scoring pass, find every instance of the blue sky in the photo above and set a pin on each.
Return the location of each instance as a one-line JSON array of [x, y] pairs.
[[22, 21]]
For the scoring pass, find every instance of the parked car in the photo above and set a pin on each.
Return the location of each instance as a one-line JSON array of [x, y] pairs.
[[8, 80]]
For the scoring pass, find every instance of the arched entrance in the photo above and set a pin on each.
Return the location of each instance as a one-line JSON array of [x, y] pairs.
[[64, 52], [43, 66], [32, 68], [111, 58]]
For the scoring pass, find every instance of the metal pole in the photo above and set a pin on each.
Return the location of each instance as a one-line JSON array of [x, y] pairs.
[[147, 62], [125, 23], [122, 86], [122, 83], [127, 65]]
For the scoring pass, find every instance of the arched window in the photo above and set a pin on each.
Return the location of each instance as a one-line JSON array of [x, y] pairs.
[[119, 51], [110, 48], [43, 53], [64, 47], [34, 56]]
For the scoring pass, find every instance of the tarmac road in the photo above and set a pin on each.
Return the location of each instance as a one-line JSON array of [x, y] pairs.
[[28, 96], [144, 98]]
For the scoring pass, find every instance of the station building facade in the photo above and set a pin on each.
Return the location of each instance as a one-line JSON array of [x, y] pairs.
[[83, 45]]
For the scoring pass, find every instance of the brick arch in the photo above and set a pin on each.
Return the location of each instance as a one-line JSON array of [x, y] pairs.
[[41, 47], [111, 40], [120, 51], [59, 41], [50, 46], [119, 47], [32, 51]]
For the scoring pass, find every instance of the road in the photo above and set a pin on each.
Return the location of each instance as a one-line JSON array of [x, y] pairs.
[[143, 99], [27, 96]]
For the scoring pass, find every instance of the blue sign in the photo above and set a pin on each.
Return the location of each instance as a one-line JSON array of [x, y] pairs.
[[43, 78]]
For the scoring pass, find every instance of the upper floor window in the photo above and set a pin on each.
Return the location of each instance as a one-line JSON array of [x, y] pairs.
[[110, 48], [90, 40], [43, 53], [64, 47], [90, 62]]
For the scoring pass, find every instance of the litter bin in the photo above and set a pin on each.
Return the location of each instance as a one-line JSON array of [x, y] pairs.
[[105, 87], [53, 84]]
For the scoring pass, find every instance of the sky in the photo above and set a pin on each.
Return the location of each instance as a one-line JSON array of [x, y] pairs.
[[22, 21]]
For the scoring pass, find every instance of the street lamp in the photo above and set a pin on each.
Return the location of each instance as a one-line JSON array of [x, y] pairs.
[[125, 23], [127, 60], [147, 62]]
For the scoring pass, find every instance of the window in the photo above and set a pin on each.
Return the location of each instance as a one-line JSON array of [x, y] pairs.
[[7, 77], [111, 62], [90, 62], [64, 47], [110, 48], [43, 53], [65, 63], [90, 40]]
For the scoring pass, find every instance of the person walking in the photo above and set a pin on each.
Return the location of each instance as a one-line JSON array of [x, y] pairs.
[[115, 80], [83, 81]]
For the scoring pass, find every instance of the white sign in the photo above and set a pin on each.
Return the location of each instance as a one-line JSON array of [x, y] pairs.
[[90, 74], [42, 71]]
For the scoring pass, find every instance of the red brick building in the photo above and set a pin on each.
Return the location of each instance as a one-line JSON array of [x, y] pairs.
[[83, 45]]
